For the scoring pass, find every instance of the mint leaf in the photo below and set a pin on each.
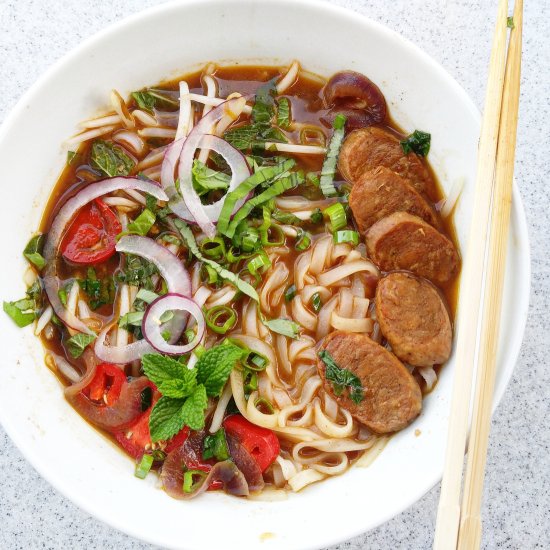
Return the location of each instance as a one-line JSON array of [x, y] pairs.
[[284, 327], [144, 100], [131, 319], [78, 343], [142, 224], [166, 418], [179, 388], [215, 365], [341, 378], [159, 368], [192, 412], [205, 179]]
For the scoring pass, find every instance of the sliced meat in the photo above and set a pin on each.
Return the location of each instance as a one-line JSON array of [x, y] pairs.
[[403, 241], [380, 192], [367, 148], [414, 319], [391, 396]]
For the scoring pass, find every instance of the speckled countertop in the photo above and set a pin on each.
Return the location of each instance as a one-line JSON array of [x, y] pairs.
[[34, 34]]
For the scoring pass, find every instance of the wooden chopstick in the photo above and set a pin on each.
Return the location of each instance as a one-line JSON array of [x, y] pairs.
[[448, 516], [469, 536]]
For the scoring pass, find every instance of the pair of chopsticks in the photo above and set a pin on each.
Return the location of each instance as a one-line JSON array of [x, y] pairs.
[[459, 521]]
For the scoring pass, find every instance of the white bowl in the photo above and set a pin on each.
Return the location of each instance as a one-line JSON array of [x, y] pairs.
[[167, 41]]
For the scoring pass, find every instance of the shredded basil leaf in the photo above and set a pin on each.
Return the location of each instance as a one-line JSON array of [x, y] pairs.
[[111, 159], [329, 164], [205, 179], [283, 112], [284, 327], [141, 225]]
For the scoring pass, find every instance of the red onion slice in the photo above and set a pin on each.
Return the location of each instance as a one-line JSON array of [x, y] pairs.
[[189, 207], [64, 216], [178, 282], [151, 324]]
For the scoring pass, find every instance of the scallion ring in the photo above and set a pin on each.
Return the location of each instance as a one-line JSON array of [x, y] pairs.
[[144, 466], [346, 236], [213, 248], [336, 213], [220, 319], [303, 242], [190, 483]]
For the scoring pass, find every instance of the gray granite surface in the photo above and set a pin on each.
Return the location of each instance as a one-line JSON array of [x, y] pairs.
[[516, 511]]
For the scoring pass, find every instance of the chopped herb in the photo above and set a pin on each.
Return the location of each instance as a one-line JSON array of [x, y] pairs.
[[329, 164], [283, 112], [132, 318], [303, 240], [264, 104], [111, 159], [19, 311], [144, 466], [100, 291], [205, 179], [71, 156], [510, 22], [316, 302], [148, 99], [78, 343], [290, 293], [215, 446], [229, 276], [284, 327], [33, 251], [137, 272], [285, 217], [418, 142], [141, 225], [316, 216], [341, 378], [192, 480]]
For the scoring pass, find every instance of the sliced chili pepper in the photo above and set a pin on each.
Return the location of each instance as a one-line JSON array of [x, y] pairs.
[[106, 384], [91, 237], [260, 442]]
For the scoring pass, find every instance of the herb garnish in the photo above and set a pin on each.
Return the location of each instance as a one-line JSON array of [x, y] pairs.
[[185, 391], [215, 446], [341, 378], [284, 327], [283, 112], [110, 159], [100, 291], [78, 343], [417, 142], [510, 22], [33, 251]]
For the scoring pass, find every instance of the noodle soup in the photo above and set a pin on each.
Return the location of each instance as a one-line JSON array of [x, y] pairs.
[[244, 277]]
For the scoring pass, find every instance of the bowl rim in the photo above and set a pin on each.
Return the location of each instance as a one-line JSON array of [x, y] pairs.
[[518, 214]]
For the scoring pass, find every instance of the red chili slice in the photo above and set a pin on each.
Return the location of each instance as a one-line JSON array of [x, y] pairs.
[[260, 442], [106, 384], [91, 237]]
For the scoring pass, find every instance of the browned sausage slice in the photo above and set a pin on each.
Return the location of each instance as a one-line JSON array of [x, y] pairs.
[[391, 396], [368, 148], [414, 319], [404, 241], [381, 192]]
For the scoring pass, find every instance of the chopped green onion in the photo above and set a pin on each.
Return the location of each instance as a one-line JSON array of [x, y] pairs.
[[290, 293], [190, 486], [220, 319], [272, 236], [337, 216], [144, 466], [262, 175], [284, 327], [285, 217], [259, 263], [250, 382], [213, 248], [265, 404], [189, 239], [62, 293], [158, 454], [346, 236], [210, 274], [255, 361], [277, 188], [316, 216], [215, 446], [303, 242], [250, 240], [329, 164], [33, 249], [316, 302], [235, 255]]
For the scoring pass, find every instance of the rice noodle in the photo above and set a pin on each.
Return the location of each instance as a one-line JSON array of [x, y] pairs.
[[90, 134], [214, 101], [211, 91], [429, 375], [145, 118], [131, 140], [120, 107], [338, 273], [294, 148], [43, 320], [185, 111], [289, 78], [451, 200], [99, 122], [163, 133], [219, 411]]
